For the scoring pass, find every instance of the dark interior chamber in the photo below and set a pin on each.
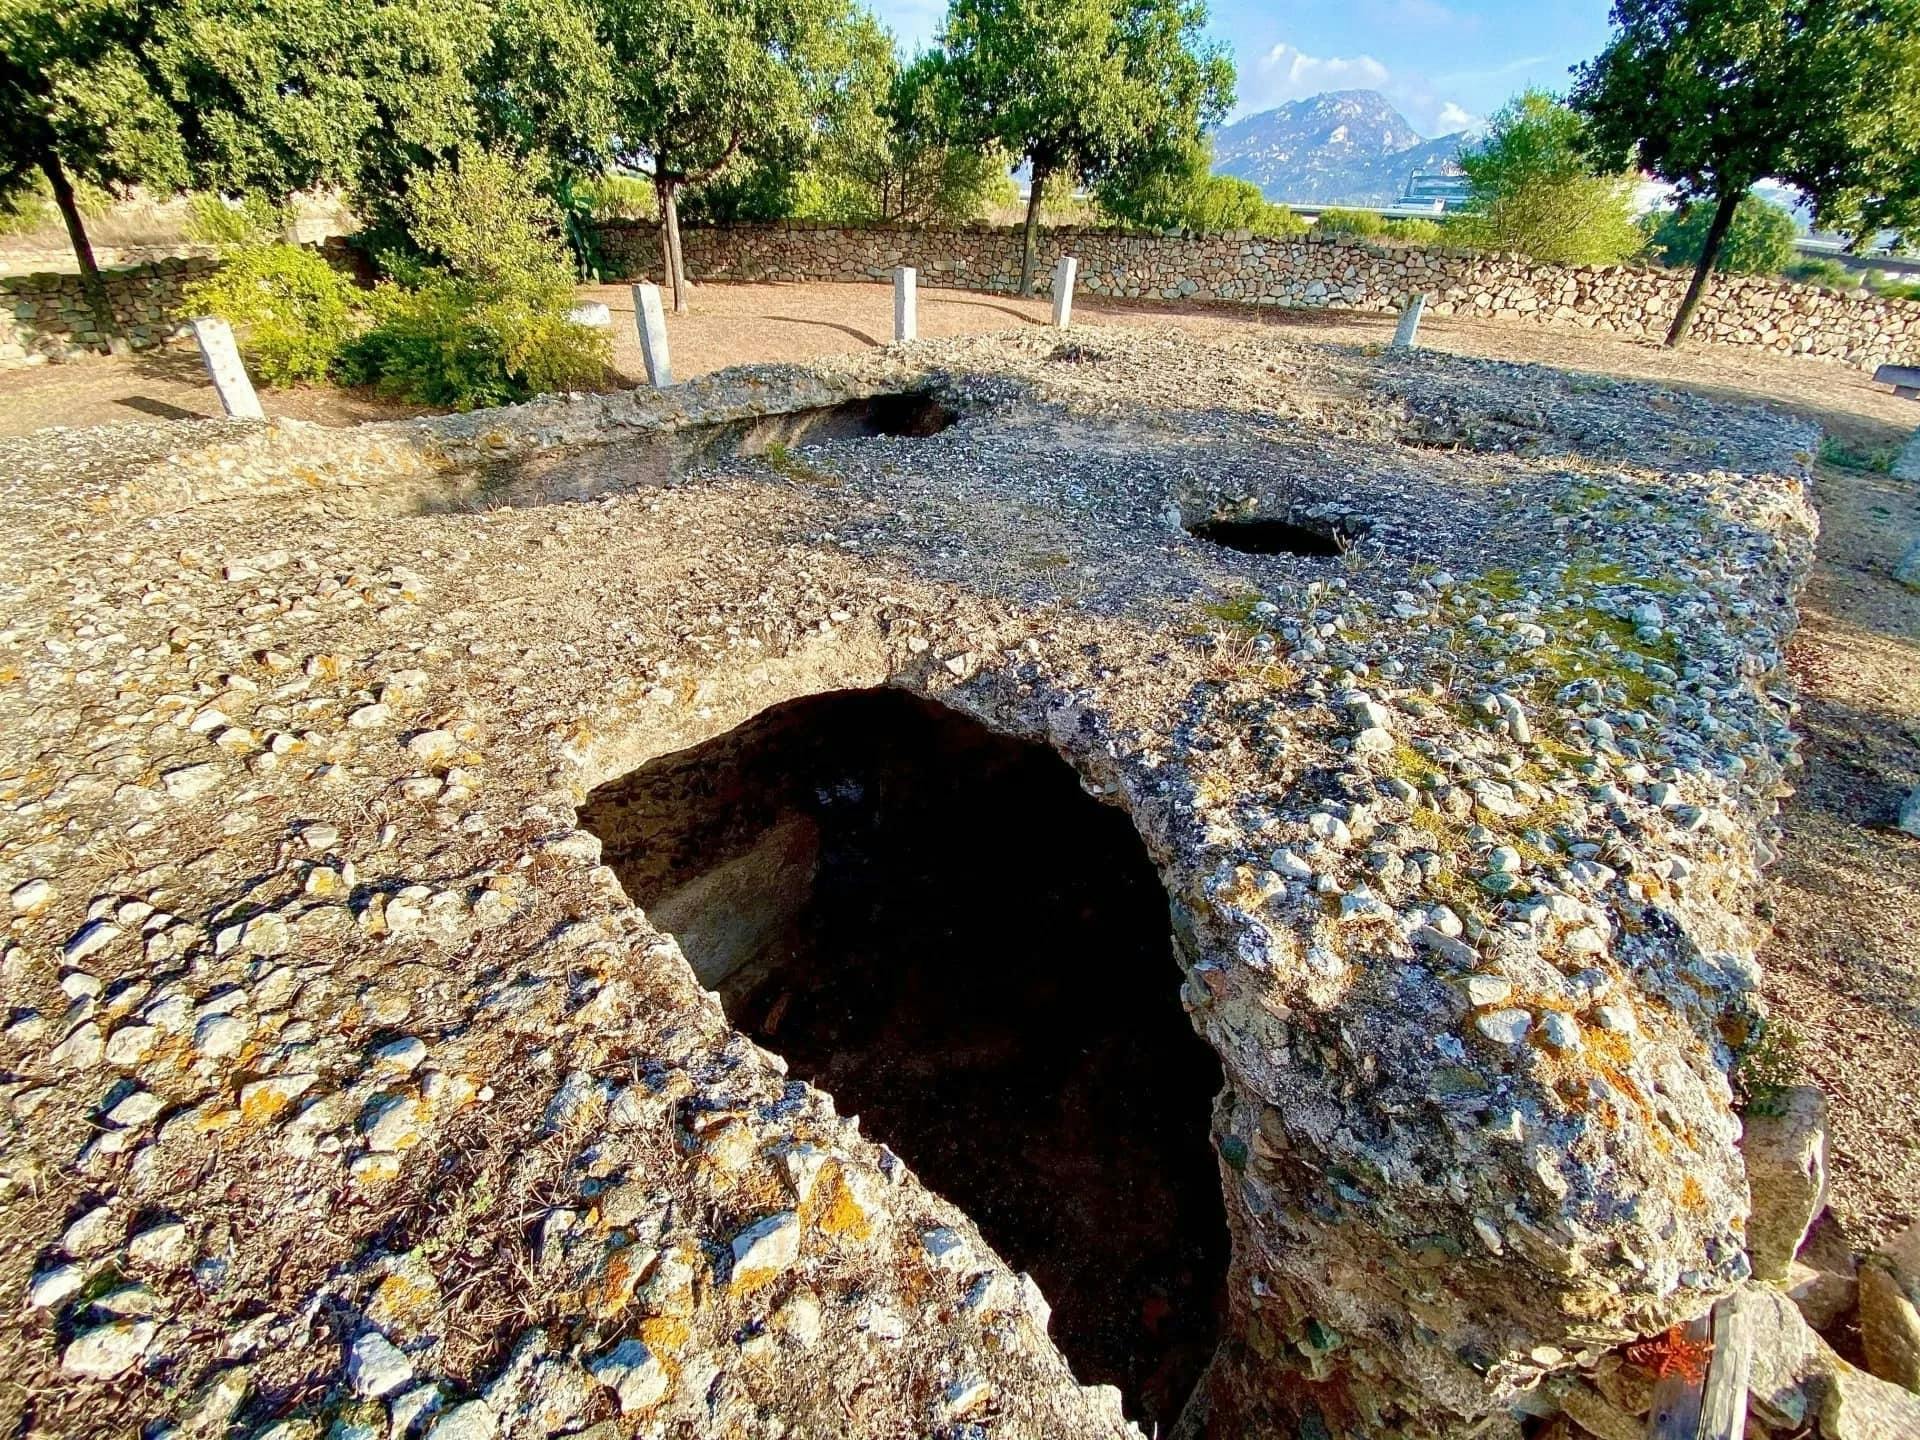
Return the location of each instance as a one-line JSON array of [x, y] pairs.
[[937, 925]]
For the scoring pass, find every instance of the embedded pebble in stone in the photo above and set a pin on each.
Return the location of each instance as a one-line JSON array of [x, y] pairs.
[[190, 782], [30, 896], [473, 1420], [375, 1366], [638, 1380], [50, 1287], [162, 1246], [1483, 990], [110, 1350], [392, 1122], [136, 1109], [128, 1046], [1560, 1030], [402, 1055], [433, 747], [765, 1249], [369, 717], [1505, 1027], [219, 1036], [90, 939], [96, 1231]]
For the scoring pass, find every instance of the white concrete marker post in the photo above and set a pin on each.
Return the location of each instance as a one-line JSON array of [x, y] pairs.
[[1063, 277], [650, 319], [906, 304], [1406, 335], [215, 339]]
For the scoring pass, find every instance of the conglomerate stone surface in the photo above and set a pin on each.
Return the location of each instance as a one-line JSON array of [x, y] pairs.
[[346, 1094]]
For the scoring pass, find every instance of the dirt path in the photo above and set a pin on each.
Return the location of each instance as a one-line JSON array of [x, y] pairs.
[[1843, 968]]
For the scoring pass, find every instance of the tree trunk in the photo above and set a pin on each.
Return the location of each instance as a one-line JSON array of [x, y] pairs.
[[90, 281], [1030, 242], [676, 259], [1728, 202]]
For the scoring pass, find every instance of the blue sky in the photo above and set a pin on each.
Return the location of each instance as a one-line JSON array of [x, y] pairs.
[[1444, 63]]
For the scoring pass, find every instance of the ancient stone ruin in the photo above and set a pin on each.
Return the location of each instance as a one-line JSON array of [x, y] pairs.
[[1262, 837]]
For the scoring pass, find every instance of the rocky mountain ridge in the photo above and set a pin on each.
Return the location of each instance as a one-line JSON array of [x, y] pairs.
[[1344, 147]]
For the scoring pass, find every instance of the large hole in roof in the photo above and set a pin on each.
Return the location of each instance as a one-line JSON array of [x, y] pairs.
[[937, 925]]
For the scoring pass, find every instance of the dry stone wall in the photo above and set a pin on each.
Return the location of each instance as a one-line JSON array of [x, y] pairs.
[[1306, 272], [47, 317]]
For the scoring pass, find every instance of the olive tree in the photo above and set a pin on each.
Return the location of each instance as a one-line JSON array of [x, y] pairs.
[[1084, 87], [699, 84], [78, 104], [1714, 95]]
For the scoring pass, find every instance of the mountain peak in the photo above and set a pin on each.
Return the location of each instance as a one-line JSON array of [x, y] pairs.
[[1340, 147]]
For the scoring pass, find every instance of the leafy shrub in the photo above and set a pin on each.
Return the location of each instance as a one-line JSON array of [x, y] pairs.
[[456, 343], [1416, 231], [1350, 222], [1893, 289], [485, 219], [290, 310], [1758, 242], [1815, 271], [1532, 189], [252, 220]]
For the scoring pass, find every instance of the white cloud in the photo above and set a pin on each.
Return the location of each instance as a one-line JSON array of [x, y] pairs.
[[1452, 117], [1285, 73]]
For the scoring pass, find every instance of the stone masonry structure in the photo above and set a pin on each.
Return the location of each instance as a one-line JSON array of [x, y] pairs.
[[349, 1094], [1310, 272], [46, 316]]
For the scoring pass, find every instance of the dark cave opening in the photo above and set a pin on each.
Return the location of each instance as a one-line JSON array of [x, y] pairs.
[[1257, 535], [938, 926]]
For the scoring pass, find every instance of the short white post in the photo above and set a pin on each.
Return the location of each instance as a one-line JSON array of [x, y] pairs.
[[650, 319], [906, 304], [1406, 335], [222, 357], [1063, 275]]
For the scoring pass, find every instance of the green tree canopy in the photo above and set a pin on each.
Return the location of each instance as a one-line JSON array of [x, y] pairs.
[[1091, 87], [1759, 241], [887, 151], [1534, 190], [699, 84], [1714, 95], [78, 104]]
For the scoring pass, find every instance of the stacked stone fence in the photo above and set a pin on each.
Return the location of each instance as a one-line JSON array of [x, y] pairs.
[[48, 317], [1303, 272]]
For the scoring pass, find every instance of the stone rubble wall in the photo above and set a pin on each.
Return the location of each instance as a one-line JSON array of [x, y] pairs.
[[1308, 272], [47, 318]]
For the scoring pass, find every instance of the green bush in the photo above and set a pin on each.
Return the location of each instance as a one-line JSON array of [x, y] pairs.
[[1758, 242], [252, 220], [1350, 222], [1893, 289], [1815, 271], [290, 310], [485, 219], [456, 343], [1416, 231]]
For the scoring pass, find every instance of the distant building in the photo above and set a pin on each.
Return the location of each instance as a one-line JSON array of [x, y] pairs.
[[1436, 190]]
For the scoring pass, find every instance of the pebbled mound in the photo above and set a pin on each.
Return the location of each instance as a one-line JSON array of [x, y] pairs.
[[347, 1093]]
